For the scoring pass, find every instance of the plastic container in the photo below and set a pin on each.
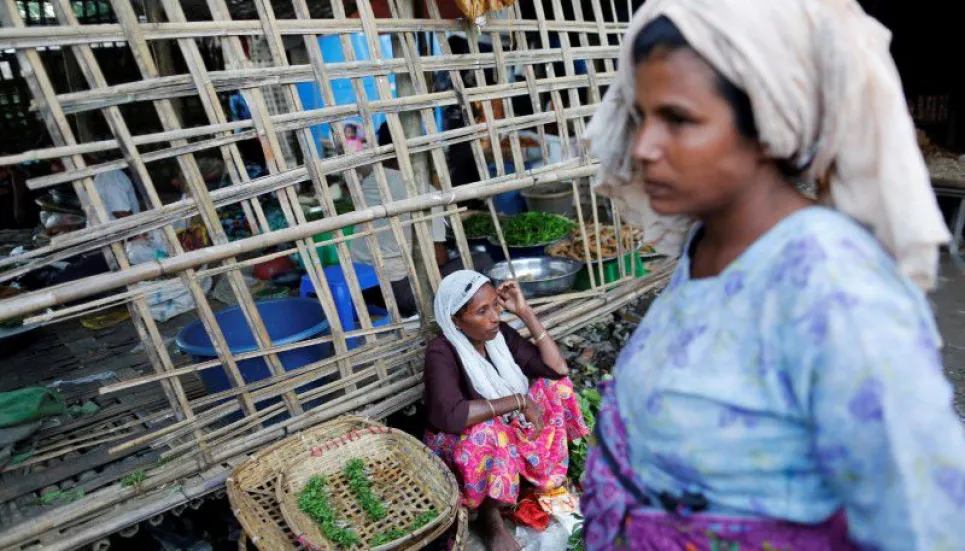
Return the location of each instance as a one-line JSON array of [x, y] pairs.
[[327, 254], [611, 271], [553, 201], [342, 88], [495, 250], [511, 202], [288, 320], [271, 268], [379, 318]]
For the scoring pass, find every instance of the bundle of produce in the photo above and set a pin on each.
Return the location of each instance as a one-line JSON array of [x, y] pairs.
[[479, 226], [531, 229]]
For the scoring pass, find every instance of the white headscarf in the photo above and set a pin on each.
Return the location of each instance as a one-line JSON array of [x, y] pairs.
[[493, 380], [824, 90]]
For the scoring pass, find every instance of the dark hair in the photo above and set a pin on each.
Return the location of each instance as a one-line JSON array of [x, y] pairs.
[[385, 137], [663, 34]]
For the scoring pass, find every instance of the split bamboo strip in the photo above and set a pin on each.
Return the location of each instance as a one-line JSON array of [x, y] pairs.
[[222, 81], [29, 302], [90, 34]]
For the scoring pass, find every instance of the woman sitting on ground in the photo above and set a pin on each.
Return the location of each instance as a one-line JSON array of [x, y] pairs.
[[500, 407]]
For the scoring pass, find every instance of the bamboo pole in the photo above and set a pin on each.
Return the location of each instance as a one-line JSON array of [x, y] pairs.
[[88, 34], [38, 300], [223, 81]]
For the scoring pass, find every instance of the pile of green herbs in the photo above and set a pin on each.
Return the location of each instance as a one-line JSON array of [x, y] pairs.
[[314, 501], [536, 228], [361, 486], [589, 400], [479, 226], [395, 534]]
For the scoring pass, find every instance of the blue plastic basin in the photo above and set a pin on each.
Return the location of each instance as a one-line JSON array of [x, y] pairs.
[[288, 320], [379, 318]]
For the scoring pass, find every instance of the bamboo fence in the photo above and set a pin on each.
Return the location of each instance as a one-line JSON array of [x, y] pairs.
[[202, 437]]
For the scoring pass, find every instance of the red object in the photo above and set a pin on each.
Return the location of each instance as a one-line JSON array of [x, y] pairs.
[[268, 270], [447, 10], [529, 513]]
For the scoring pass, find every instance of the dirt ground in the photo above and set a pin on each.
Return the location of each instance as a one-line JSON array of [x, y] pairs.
[[948, 303]]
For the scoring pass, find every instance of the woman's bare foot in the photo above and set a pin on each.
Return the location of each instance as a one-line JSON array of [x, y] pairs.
[[494, 530]]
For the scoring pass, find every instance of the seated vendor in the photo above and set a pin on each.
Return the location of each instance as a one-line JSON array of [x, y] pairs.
[[117, 194], [500, 408]]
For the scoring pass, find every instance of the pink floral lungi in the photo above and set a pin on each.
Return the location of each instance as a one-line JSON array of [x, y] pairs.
[[489, 458]]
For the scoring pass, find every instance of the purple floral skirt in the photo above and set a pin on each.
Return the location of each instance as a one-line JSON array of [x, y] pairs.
[[614, 520]]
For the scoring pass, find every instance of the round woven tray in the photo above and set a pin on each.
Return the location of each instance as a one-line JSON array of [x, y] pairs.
[[406, 476], [251, 486]]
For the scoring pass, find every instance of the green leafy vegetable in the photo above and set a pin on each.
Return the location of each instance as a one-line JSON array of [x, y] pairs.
[[536, 228], [68, 496], [589, 400], [575, 542], [134, 479], [314, 502], [21, 457], [389, 536], [479, 226], [361, 486], [11, 323]]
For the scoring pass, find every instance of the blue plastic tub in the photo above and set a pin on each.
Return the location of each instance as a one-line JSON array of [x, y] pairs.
[[510, 202], [288, 320], [379, 318]]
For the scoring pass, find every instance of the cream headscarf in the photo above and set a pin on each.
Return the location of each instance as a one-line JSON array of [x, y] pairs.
[[824, 90], [498, 379]]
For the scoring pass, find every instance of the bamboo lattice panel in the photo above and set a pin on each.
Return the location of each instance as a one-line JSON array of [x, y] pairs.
[[151, 94]]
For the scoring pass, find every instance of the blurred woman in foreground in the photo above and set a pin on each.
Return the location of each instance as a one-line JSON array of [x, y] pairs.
[[785, 391]]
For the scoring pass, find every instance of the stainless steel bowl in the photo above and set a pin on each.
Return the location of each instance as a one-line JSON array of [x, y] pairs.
[[538, 277]]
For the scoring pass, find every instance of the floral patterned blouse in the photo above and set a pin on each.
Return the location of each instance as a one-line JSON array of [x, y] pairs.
[[802, 380]]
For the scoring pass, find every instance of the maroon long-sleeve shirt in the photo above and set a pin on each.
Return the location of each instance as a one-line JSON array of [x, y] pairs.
[[448, 388]]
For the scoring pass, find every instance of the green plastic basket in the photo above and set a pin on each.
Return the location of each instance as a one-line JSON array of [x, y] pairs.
[[611, 271], [327, 254]]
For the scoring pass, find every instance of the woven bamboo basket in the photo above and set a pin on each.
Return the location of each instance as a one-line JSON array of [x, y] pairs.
[[459, 540], [251, 487], [407, 477]]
